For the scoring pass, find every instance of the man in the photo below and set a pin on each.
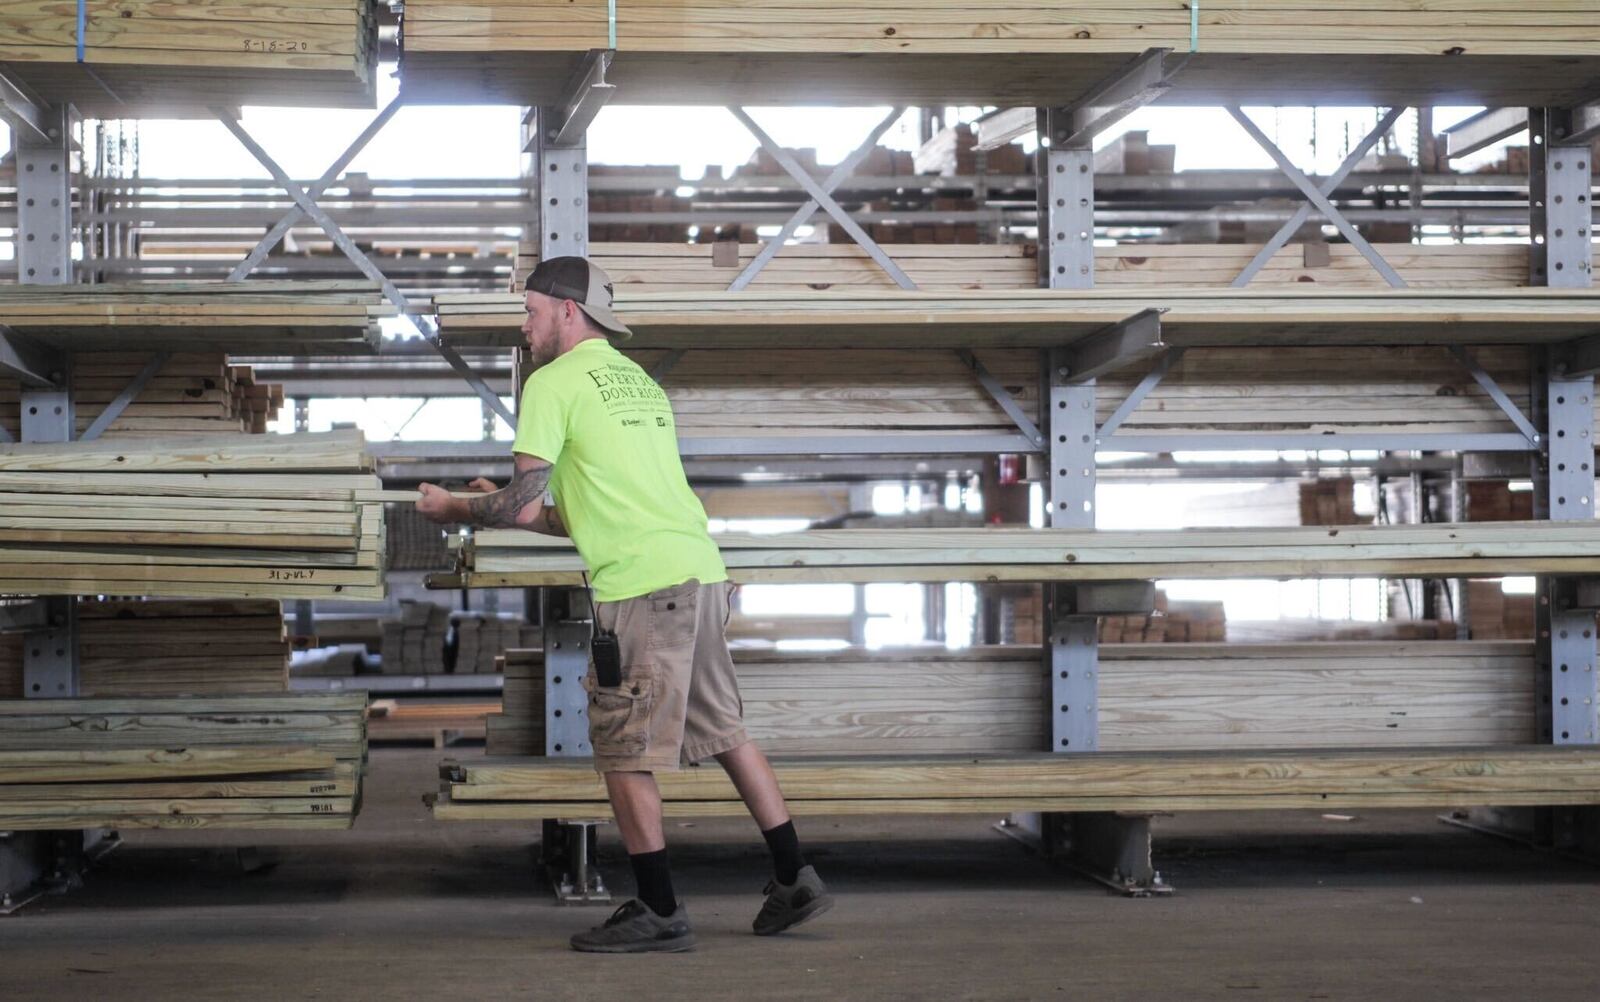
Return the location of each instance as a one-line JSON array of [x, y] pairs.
[[598, 432]]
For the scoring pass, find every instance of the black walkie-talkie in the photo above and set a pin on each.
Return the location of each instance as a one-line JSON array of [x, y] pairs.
[[607, 657], [604, 646]]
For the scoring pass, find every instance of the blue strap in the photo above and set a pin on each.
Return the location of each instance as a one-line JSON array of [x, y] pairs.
[[82, 18], [611, 22], [1194, 25]]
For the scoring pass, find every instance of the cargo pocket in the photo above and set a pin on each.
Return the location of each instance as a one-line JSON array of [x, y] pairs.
[[673, 615], [619, 716]]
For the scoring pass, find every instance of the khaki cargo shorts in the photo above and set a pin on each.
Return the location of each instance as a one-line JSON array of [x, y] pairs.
[[679, 699]]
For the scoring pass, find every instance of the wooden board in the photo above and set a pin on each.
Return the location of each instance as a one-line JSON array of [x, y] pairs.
[[152, 58], [1165, 696], [502, 558], [988, 52], [865, 318], [283, 760], [1165, 781], [260, 317]]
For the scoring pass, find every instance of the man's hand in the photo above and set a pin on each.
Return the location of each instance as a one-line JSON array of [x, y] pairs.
[[483, 485], [437, 504]]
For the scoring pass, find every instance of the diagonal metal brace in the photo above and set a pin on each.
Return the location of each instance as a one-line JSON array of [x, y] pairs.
[[270, 240], [1151, 380], [1123, 343], [1484, 129], [566, 123], [133, 389], [1317, 198], [1505, 403], [423, 325], [823, 199], [809, 208], [1007, 402], [1329, 186]]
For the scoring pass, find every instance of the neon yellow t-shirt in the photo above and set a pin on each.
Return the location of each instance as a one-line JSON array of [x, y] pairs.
[[607, 428]]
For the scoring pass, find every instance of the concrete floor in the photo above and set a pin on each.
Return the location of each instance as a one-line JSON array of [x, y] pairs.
[[1282, 906]]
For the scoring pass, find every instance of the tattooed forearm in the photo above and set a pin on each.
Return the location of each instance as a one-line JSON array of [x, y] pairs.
[[550, 522], [500, 509]]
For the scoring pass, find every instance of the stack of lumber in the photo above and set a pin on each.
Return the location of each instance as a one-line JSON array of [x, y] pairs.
[[1054, 317], [512, 558], [265, 516], [1152, 697], [1495, 501], [193, 393], [290, 760], [413, 643], [148, 58], [939, 267], [507, 789], [1329, 501], [262, 318], [481, 639], [518, 729], [163, 648], [998, 52], [1492, 614]]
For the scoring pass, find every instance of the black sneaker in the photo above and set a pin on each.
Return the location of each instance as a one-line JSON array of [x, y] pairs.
[[634, 928], [788, 905]]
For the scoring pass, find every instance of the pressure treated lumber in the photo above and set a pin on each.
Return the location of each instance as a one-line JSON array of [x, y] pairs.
[[279, 760], [191, 393], [1095, 781], [1152, 697], [1360, 52], [154, 58], [169, 648], [506, 558], [223, 517], [945, 268], [1054, 318], [258, 317]]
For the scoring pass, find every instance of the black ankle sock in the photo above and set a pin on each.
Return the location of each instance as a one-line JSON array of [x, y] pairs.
[[654, 877], [785, 846]]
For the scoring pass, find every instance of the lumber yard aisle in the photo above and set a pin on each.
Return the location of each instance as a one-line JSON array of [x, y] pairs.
[[1154, 580]]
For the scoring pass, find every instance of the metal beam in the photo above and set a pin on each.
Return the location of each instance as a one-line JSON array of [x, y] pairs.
[[856, 445], [1123, 343], [23, 111], [1484, 129], [1579, 358], [1142, 80], [21, 617], [1583, 124], [26, 359], [586, 93], [1317, 198], [823, 199]]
